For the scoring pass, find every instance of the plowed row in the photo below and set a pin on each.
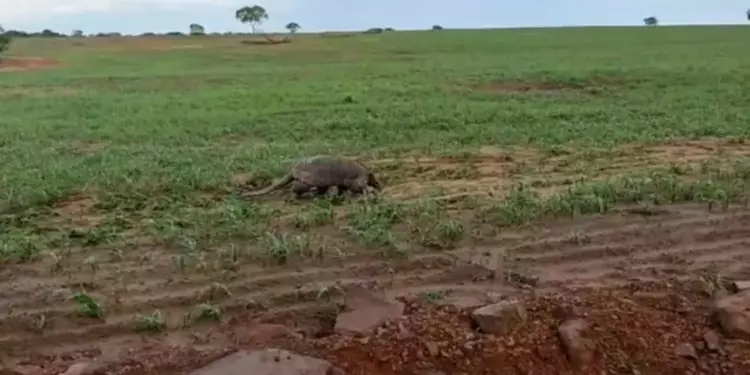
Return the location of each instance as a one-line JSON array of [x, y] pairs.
[[618, 248]]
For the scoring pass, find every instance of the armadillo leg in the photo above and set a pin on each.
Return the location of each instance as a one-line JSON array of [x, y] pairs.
[[321, 190], [356, 188], [300, 188]]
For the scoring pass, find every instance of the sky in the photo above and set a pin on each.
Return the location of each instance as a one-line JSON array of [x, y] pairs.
[[138, 16]]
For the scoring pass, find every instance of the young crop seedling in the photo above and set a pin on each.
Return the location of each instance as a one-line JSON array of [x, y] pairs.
[[280, 247], [230, 258], [92, 263], [57, 265], [206, 311], [87, 306], [433, 296], [150, 323], [319, 215]]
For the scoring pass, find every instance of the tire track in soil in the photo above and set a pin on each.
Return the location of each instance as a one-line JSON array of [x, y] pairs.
[[686, 239], [618, 248], [275, 289]]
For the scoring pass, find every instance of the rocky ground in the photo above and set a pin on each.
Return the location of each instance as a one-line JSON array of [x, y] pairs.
[[690, 326]]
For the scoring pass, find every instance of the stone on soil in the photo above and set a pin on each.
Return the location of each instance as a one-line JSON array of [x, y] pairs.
[[712, 340], [580, 349], [368, 311], [83, 368], [500, 318], [268, 362], [686, 350], [733, 315], [741, 285]]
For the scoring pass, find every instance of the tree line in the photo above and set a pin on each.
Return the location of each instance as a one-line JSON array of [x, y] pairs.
[[253, 16]]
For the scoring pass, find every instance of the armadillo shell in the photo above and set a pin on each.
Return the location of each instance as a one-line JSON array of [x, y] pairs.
[[328, 171]]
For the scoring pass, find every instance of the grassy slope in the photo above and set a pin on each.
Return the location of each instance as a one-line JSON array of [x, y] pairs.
[[190, 118], [145, 124]]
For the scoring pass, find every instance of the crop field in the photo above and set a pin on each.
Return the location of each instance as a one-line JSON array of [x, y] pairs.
[[509, 160]]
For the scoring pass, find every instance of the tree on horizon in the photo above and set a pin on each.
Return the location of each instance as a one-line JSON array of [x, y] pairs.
[[4, 40], [197, 29], [254, 15], [293, 27]]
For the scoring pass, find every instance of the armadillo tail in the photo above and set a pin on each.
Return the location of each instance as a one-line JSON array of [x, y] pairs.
[[280, 183]]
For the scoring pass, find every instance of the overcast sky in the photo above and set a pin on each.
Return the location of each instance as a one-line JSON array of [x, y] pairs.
[[137, 16]]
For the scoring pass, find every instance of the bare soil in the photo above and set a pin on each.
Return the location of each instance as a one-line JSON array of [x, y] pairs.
[[494, 170], [26, 63], [621, 254], [524, 86], [634, 276]]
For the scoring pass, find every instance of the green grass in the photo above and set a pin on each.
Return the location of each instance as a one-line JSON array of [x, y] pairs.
[[175, 121], [146, 130]]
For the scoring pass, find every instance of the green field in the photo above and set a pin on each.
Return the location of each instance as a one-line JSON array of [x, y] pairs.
[[153, 131]]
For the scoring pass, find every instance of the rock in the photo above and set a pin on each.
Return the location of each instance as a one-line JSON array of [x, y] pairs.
[[686, 350], [368, 311], [268, 362], [84, 368], [732, 315], [500, 318], [741, 285], [712, 340], [580, 349], [462, 302]]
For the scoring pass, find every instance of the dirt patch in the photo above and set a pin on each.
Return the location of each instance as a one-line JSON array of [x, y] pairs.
[[493, 170], [634, 329], [41, 327], [79, 210], [163, 45], [88, 147], [8, 64], [37, 92], [522, 86]]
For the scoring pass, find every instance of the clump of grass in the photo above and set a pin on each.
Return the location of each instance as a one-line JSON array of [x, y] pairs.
[[98, 235], [87, 305], [319, 214], [432, 228], [19, 245], [230, 257], [523, 205], [280, 247], [371, 221], [58, 262], [433, 296], [713, 285], [206, 311], [228, 220], [154, 322], [92, 263]]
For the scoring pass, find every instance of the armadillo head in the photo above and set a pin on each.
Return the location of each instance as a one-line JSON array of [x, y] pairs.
[[371, 181]]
